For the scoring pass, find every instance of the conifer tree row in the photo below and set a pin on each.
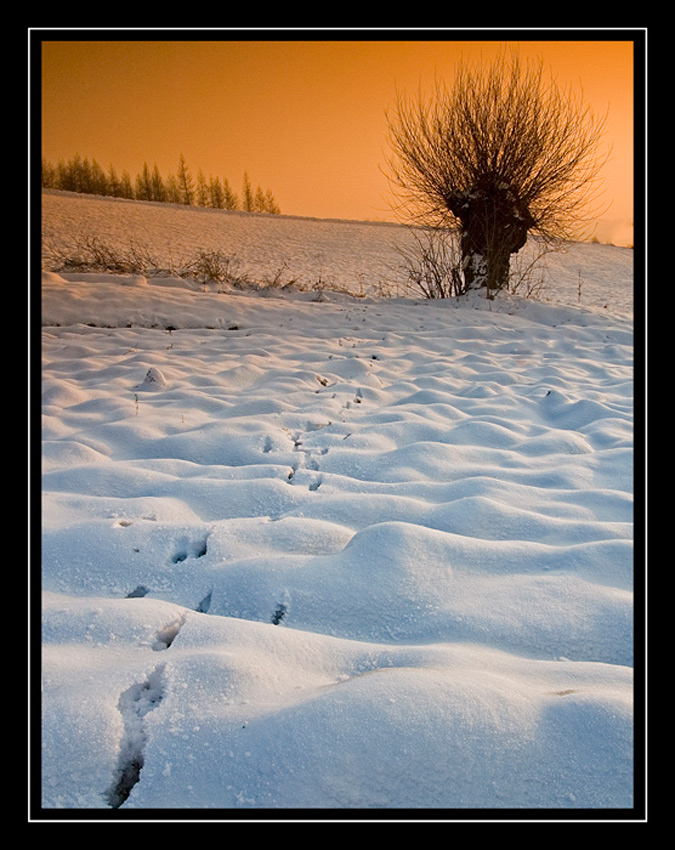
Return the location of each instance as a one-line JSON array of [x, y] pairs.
[[80, 174]]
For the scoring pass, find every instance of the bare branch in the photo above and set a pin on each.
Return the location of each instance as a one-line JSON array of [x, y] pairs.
[[507, 135]]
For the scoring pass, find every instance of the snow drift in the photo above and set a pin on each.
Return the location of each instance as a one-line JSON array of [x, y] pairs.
[[333, 553]]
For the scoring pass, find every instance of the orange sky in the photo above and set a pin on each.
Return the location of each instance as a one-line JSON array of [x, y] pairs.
[[305, 119]]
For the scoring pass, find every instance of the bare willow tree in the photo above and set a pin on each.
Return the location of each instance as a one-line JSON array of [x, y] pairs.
[[501, 154]]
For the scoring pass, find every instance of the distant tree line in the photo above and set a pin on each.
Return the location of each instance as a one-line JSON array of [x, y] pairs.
[[80, 174]]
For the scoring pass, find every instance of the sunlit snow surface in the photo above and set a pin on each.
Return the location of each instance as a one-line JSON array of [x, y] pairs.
[[304, 550]]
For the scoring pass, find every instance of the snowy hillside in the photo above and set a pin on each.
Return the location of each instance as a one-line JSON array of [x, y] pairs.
[[306, 550]]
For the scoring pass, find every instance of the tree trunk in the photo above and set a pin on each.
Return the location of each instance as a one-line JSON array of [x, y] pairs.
[[494, 226]]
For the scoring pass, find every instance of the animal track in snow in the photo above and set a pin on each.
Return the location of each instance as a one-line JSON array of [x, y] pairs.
[[358, 398], [133, 705], [190, 549], [279, 614], [167, 634], [138, 592], [281, 609], [205, 604], [308, 459]]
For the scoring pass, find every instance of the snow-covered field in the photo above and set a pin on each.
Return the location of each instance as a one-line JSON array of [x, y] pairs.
[[308, 551]]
